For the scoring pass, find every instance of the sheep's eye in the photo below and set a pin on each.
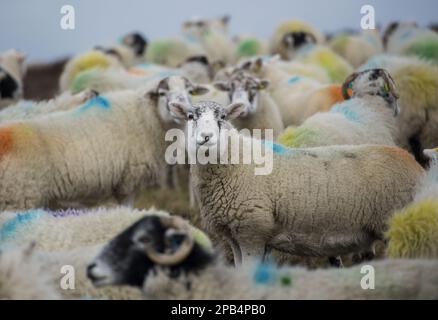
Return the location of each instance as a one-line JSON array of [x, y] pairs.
[[190, 116], [144, 239], [161, 93], [223, 117]]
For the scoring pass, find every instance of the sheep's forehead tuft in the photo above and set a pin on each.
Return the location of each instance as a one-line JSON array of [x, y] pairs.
[[208, 107]]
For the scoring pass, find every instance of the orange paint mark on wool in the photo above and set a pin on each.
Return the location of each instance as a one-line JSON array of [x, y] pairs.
[[335, 92], [6, 140], [136, 71]]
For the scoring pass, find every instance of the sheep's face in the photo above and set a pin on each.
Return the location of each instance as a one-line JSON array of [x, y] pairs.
[[198, 68], [9, 87], [150, 243], [174, 89], [207, 126], [293, 41], [243, 89], [199, 27], [136, 42], [374, 82]]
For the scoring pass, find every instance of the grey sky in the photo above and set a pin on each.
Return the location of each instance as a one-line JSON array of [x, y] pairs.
[[33, 26]]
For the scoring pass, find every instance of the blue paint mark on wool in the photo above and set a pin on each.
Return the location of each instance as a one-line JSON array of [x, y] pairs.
[[265, 273], [11, 226], [294, 79], [277, 148], [98, 101], [345, 110]]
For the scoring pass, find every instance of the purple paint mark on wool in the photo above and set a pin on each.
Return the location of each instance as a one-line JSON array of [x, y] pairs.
[[67, 213]]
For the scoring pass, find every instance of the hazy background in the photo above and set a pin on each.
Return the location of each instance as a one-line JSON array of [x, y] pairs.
[[33, 26]]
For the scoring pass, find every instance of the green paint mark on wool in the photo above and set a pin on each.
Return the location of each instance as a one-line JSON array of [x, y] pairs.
[[297, 137], [248, 48], [12, 225], [340, 42], [80, 81], [157, 50], [426, 48]]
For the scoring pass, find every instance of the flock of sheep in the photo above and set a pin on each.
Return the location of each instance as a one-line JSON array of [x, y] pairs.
[[354, 158]]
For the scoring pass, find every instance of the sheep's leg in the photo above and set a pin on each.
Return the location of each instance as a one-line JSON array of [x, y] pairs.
[[336, 262], [237, 253], [251, 249], [128, 201]]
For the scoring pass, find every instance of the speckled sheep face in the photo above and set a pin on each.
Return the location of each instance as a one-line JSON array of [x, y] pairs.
[[207, 125], [374, 82], [293, 41], [243, 89], [178, 90]]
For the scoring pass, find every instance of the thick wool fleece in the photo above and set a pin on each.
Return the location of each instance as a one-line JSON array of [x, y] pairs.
[[394, 279], [417, 83], [67, 229], [23, 277], [25, 109], [365, 120], [110, 146], [413, 231], [316, 202]]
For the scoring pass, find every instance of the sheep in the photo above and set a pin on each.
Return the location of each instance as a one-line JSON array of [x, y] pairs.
[[18, 263], [72, 237], [91, 59], [304, 48], [261, 112], [196, 69], [111, 146], [357, 48], [12, 69], [29, 109], [212, 36], [285, 27], [356, 187], [417, 81], [172, 51], [167, 262], [409, 39], [298, 96], [368, 117], [413, 231]]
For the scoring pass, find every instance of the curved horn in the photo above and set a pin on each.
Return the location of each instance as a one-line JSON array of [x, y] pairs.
[[346, 84], [184, 249], [391, 83]]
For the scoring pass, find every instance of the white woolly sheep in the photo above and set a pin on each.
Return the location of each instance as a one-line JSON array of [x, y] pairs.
[[408, 39], [12, 69], [212, 37], [83, 155], [25, 109], [167, 262], [196, 69], [304, 48], [260, 112], [417, 83], [367, 117], [324, 201], [297, 96], [357, 48], [91, 59]]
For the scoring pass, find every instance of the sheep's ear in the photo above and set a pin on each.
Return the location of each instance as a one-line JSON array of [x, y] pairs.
[[246, 65], [234, 110], [222, 86], [226, 19], [258, 64], [263, 84], [153, 95], [178, 110], [199, 91]]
